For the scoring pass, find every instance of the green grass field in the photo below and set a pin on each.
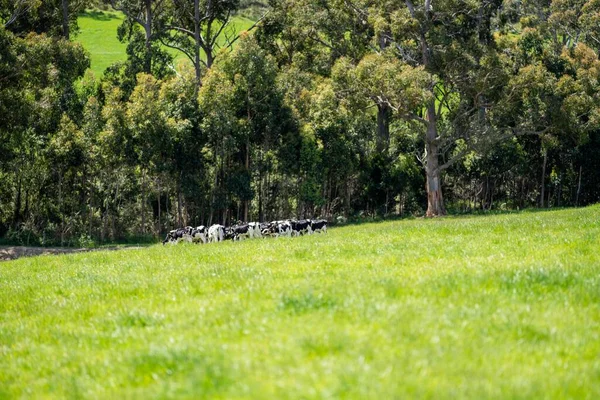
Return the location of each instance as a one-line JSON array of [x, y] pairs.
[[503, 306], [98, 35]]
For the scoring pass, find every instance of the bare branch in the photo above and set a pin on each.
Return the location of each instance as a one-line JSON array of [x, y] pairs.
[[180, 29], [411, 8], [248, 30], [216, 35], [113, 3], [181, 49], [21, 7]]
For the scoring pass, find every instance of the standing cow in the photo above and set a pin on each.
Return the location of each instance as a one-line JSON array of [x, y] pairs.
[[177, 235], [216, 233], [319, 225], [301, 227], [256, 230], [239, 232], [200, 234]]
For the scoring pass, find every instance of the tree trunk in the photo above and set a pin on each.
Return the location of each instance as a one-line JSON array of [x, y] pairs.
[[65, 13], [208, 50], [104, 226], [543, 178], [248, 172], [197, 42], [60, 209], [158, 227], [148, 31], [179, 211], [383, 128], [559, 195], [143, 230], [578, 188], [17, 213], [435, 200], [261, 215], [26, 211], [91, 218]]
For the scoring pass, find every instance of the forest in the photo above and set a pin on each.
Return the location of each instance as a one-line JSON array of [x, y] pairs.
[[335, 109]]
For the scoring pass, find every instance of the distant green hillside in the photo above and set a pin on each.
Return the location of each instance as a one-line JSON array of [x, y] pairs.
[[98, 34]]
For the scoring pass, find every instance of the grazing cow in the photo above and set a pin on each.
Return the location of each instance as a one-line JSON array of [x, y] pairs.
[[276, 229], [177, 235], [239, 232], [256, 229], [301, 227], [269, 229], [284, 228], [172, 236], [264, 229], [200, 234], [319, 225], [216, 233], [187, 236]]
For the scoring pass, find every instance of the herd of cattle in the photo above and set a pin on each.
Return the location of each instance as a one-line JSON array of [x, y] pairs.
[[251, 230]]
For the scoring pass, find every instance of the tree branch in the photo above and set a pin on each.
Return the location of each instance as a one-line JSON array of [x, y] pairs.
[[181, 49], [230, 43], [216, 35], [128, 13]]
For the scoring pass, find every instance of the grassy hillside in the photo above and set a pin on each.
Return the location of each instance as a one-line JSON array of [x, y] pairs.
[[98, 34], [482, 307]]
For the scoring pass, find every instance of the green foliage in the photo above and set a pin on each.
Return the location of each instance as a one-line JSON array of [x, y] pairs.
[[325, 109]]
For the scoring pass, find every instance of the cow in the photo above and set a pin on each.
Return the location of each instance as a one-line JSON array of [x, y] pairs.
[[319, 225], [216, 233], [269, 229], [276, 229], [284, 228], [264, 229], [172, 236], [239, 232], [301, 227], [199, 234], [256, 229], [177, 235]]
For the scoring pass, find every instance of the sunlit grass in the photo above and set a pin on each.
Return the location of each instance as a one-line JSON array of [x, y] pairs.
[[503, 306], [98, 35]]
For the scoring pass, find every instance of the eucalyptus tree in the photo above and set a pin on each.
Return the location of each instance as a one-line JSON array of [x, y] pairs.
[[54, 17], [552, 91], [194, 26], [146, 14], [35, 73], [449, 42], [245, 117]]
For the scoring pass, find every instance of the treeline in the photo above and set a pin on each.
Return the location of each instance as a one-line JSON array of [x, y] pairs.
[[324, 109]]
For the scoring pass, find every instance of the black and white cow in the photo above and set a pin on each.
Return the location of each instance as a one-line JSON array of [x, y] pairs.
[[301, 227], [319, 225], [269, 229], [200, 234], [239, 232], [173, 236], [177, 235], [256, 230], [277, 228], [216, 233], [281, 228]]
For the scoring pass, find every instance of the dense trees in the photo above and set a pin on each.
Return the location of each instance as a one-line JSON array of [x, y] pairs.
[[327, 108]]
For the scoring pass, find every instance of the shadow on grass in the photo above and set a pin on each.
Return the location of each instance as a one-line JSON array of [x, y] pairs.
[[99, 15], [13, 252]]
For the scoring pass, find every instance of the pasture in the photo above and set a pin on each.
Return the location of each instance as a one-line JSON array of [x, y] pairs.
[[504, 306], [98, 35]]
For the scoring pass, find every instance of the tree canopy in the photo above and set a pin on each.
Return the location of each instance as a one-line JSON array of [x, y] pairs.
[[360, 109]]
